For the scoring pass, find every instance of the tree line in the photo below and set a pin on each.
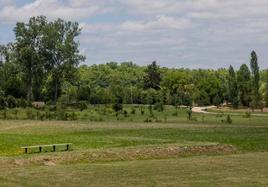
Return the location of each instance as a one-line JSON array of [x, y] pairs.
[[43, 64]]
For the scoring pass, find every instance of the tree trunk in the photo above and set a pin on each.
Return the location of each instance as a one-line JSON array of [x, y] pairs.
[[29, 87], [56, 89]]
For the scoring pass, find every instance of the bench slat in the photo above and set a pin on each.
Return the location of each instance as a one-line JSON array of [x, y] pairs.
[[37, 146]]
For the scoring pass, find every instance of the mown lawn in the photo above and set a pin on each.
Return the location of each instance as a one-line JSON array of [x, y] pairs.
[[247, 167], [89, 135], [229, 170]]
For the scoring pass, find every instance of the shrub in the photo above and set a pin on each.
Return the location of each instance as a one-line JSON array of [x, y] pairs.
[[83, 106], [37, 115], [96, 118], [142, 110], [42, 116], [159, 107], [3, 103], [229, 119], [22, 103], [16, 113], [165, 118], [117, 107], [189, 112], [52, 108], [133, 111], [11, 102], [5, 114], [48, 115], [150, 110], [29, 113], [60, 112], [125, 113], [176, 111], [148, 120], [74, 116], [247, 114]]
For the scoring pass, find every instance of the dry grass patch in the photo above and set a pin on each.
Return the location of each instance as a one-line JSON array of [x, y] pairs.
[[119, 154]]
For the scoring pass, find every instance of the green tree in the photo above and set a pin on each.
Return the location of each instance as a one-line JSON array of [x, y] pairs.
[[244, 85], [256, 98], [2, 54], [28, 45], [152, 78], [266, 87], [62, 53], [232, 85]]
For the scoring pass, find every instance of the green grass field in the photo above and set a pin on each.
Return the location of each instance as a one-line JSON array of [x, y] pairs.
[[126, 153]]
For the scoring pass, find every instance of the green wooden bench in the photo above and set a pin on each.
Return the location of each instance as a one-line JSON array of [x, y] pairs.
[[52, 146]]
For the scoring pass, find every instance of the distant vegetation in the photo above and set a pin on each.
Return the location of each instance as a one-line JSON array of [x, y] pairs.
[[42, 64]]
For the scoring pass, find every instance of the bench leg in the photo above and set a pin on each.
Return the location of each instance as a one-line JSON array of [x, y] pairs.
[[67, 148], [54, 148], [26, 150], [40, 149]]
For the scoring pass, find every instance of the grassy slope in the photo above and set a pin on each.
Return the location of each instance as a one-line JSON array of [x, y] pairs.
[[14, 134], [233, 170], [250, 136]]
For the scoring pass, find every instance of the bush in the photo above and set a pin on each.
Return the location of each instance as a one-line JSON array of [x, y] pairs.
[[150, 110], [74, 116], [159, 107], [48, 115], [83, 106], [96, 118], [11, 102], [5, 114], [52, 108], [16, 113], [165, 118], [142, 110], [189, 112], [42, 116], [22, 103], [61, 115], [148, 120], [29, 113], [247, 114], [125, 113], [133, 111], [3, 103], [117, 107], [229, 119]]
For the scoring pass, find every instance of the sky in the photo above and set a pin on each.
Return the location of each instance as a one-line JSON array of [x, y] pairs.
[[175, 33]]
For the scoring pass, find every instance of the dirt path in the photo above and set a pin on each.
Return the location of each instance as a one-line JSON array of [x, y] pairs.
[[204, 111]]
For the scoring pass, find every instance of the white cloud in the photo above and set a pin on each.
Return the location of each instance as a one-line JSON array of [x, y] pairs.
[[51, 8], [6, 2], [192, 33]]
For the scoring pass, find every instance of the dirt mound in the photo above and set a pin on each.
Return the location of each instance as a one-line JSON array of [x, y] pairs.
[[158, 152], [126, 154]]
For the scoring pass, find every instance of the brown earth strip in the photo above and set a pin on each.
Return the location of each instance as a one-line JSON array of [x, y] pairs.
[[127, 154]]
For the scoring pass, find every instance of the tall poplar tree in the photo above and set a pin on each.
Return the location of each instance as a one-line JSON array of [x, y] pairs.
[[266, 87], [244, 85], [256, 98], [232, 87]]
